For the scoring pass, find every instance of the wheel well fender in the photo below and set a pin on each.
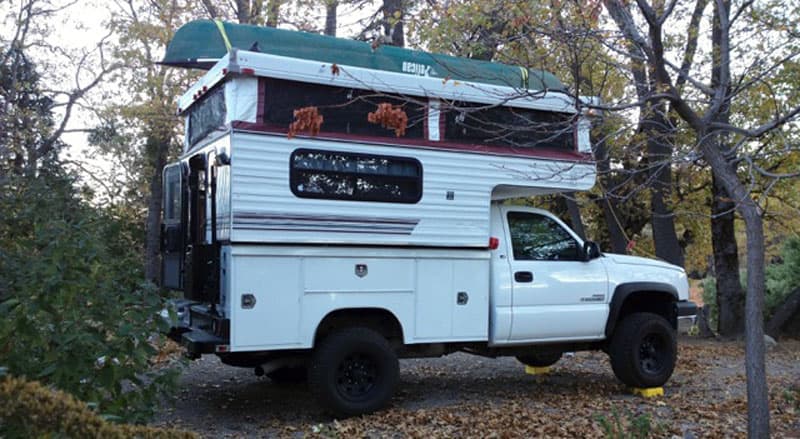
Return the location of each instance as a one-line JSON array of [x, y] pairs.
[[378, 319], [655, 297]]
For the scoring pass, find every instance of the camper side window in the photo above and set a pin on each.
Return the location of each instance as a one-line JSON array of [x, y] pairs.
[[355, 177], [207, 115], [508, 126]]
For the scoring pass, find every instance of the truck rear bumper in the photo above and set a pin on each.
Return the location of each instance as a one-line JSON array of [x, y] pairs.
[[201, 331]]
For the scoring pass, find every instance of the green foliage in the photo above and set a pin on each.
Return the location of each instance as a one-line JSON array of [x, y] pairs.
[[783, 278], [75, 313], [709, 285], [33, 410], [634, 427]]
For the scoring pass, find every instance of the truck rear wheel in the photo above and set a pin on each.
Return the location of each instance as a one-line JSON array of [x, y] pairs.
[[539, 359], [353, 371], [643, 350]]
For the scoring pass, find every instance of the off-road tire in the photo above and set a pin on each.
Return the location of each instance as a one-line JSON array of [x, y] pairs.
[[353, 371], [289, 375], [643, 350], [539, 359]]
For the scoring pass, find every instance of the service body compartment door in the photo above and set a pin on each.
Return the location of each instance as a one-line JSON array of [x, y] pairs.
[[172, 228], [265, 300], [556, 295]]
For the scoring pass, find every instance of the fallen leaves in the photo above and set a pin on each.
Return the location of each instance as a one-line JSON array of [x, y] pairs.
[[467, 396]]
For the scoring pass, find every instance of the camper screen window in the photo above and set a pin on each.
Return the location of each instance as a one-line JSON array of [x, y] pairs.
[[207, 115], [344, 110], [507, 126], [355, 177]]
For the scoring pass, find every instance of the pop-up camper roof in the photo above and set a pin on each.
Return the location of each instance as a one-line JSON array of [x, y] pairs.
[[201, 43]]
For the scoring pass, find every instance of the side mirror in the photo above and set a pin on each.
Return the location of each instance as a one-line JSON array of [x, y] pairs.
[[590, 251]]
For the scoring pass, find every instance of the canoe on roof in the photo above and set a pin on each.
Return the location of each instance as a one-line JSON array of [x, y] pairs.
[[200, 43]]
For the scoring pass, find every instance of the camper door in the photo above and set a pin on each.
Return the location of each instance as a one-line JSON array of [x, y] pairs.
[[172, 232]]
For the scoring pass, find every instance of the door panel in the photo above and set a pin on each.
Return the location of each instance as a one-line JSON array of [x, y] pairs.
[[556, 296]]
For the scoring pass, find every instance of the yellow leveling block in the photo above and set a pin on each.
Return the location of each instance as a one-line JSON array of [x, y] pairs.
[[530, 370], [651, 392]]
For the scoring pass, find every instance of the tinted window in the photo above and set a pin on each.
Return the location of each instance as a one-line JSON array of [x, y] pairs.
[[537, 237], [207, 115], [172, 194], [507, 126], [344, 110], [357, 177]]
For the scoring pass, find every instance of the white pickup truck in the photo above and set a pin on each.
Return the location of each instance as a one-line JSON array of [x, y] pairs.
[[315, 238], [342, 316]]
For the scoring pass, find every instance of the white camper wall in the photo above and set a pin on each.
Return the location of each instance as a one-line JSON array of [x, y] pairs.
[[264, 208]]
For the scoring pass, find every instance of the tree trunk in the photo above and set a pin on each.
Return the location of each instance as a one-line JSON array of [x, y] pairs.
[[730, 296], [393, 22], [616, 234], [575, 214], [330, 17], [273, 13], [659, 154], [157, 147], [785, 312], [757, 395]]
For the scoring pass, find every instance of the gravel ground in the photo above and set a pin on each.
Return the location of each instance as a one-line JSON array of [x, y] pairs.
[[705, 397]]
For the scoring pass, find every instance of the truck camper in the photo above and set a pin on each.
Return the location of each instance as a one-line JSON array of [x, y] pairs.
[[338, 206]]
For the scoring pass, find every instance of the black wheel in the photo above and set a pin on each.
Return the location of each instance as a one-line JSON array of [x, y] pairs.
[[643, 350], [540, 359], [353, 371], [288, 375]]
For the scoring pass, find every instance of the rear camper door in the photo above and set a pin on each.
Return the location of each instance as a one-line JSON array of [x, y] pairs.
[[172, 233]]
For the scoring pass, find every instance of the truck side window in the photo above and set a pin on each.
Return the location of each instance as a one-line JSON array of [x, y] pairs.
[[539, 238]]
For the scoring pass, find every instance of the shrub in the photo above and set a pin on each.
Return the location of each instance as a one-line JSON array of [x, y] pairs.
[[75, 313], [33, 410], [783, 278], [634, 427]]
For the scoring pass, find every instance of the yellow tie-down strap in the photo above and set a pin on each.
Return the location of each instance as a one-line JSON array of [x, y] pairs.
[[524, 73], [224, 34]]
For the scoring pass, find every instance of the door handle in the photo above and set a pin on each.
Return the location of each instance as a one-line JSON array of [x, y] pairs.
[[523, 276]]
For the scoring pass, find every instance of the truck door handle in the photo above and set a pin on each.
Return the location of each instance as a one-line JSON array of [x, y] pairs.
[[523, 276]]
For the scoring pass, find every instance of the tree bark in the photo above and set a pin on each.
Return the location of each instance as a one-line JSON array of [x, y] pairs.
[[659, 154], [730, 296], [574, 212], [273, 13], [393, 13], [330, 17], [157, 147], [616, 234]]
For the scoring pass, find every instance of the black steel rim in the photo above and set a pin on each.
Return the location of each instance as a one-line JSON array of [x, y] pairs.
[[652, 354], [356, 376]]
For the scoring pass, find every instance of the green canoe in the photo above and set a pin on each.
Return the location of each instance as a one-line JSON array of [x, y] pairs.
[[198, 44]]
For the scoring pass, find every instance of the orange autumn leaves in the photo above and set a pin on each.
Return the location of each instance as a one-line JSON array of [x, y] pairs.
[[309, 120]]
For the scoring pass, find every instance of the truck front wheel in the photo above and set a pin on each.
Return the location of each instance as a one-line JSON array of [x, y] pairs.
[[643, 350], [353, 371]]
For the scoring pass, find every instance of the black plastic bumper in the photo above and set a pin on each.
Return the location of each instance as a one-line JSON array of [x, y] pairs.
[[685, 308], [202, 333]]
